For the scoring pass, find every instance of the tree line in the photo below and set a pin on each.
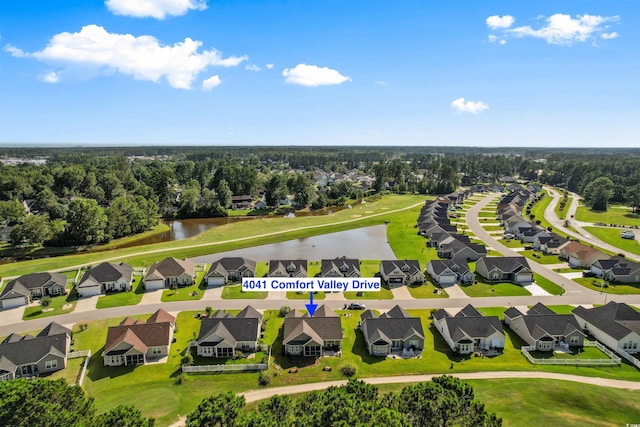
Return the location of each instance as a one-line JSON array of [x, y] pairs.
[[92, 195], [444, 401]]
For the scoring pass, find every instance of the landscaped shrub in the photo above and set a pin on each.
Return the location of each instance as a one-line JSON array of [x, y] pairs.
[[348, 370], [284, 311], [187, 359], [264, 378]]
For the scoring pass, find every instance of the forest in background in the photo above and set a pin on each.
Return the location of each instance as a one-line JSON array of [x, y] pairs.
[[70, 196]]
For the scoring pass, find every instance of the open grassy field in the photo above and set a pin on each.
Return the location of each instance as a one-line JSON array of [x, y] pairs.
[[538, 210], [612, 237], [235, 236], [113, 386], [404, 238], [620, 215]]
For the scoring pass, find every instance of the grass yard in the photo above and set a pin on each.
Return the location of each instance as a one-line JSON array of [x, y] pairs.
[[405, 240], [305, 295], [487, 214], [492, 227], [620, 215], [71, 374], [118, 299], [538, 210], [540, 258], [512, 243], [562, 213], [568, 270], [427, 290], [610, 288], [383, 293], [548, 285], [236, 292], [62, 304], [612, 237], [187, 293], [486, 289]]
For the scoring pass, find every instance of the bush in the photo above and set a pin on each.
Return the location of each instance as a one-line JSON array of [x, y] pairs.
[[187, 359], [180, 379], [264, 378], [348, 370], [45, 301], [284, 311]]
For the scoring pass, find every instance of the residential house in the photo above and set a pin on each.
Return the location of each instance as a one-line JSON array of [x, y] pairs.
[[392, 331], [448, 272], [459, 250], [288, 268], [312, 336], [616, 325], [602, 266], [20, 291], [134, 342], [224, 334], [340, 267], [28, 356], [469, 330], [169, 272], [105, 277], [505, 269], [529, 235], [543, 329], [550, 244], [579, 255], [5, 233], [624, 272], [241, 202], [401, 272], [230, 269]]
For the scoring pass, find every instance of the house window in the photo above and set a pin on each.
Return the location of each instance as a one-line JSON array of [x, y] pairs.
[[5, 377], [634, 346], [379, 349], [574, 339], [245, 346], [294, 349], [396, 344], [50, 364], [206, 351], [114, 360], [624, 346], [414, 343], [156, 350], [225, 352]]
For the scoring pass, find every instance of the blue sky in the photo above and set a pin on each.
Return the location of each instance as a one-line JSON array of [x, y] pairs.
[[320, 72]]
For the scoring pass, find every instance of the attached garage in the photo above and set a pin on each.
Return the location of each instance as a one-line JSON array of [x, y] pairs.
[[524, 277], [152, 285], [13, 302], [215, 281], [447, 280], [89, 291]]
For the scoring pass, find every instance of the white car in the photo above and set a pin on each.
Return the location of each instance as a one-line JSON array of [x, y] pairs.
[[627, 234]]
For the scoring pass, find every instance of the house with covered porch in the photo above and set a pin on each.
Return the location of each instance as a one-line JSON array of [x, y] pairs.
[[312, 336], [223, 334], [470, 331]]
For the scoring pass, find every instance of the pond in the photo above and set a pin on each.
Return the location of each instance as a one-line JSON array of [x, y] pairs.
[[360, 243]]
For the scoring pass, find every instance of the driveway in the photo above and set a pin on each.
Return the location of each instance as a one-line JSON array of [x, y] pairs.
[[152, 297], [86, 304]]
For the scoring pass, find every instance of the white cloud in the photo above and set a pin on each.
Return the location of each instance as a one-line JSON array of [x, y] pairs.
[[252, 67], [142, 57], [562, 29], [495, 21], [381, 83], [158, 9], [211, 82], [269, 66], [609, 36], [51, 77], [503, 42], [473, 107], [312, 75], [495, 39]]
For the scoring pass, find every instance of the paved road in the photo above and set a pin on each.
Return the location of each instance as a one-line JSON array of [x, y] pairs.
[[578, 232], [575, 294]]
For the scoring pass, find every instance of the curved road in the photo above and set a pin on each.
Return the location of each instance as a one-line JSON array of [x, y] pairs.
[[575, 294], [579, 233]]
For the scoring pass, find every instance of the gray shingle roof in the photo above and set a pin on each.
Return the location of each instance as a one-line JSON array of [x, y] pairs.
[[170, 267], [230, 329], [23, 285], [223, 266], [343, 266], [615, 319], [407, 266], [30, 349], [107, 272]]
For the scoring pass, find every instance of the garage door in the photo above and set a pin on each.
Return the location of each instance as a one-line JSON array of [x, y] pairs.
[[13, 303], [89, 291], [215, 281], [524, 277], [152, 285], [447, 280]]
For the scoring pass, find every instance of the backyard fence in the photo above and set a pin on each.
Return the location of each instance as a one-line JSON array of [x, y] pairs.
[[226, 368], [82, 353], [630, 358], [613, 361]]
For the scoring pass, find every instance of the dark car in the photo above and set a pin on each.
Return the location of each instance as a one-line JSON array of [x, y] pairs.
[[588, 274], [356, 306]]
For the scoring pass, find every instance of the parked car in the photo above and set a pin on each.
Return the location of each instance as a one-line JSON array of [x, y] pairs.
[[509, 236], [588, 274], [627, 234], [356, 306], [528, 248]]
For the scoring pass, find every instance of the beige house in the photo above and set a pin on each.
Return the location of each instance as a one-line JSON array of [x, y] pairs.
[[169, 272]]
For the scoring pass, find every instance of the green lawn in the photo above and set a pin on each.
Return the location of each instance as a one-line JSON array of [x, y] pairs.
[[492, 227], [487, 214], [540, 258], [548, 285], [236, 292], [383, 293], [620, 215], [404, 238], [427, 290], [562, 309], [618, 289], [562, 214], [236, 236], [538, 210], [114, 386], [486, 289], [612, 237], [118, 299], [187, 293], [568, 270], [512, 243], [305, 295], [62, 304]]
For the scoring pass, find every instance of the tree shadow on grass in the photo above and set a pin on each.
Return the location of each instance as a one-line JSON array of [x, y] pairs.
[[287, 361], [97, 371]]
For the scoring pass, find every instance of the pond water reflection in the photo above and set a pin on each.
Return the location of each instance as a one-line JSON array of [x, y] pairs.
[[361, 243]]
